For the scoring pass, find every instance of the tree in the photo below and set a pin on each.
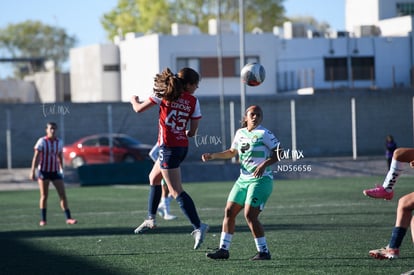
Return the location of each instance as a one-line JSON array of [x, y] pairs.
[[33, 39], [139, 16], [143, 16]]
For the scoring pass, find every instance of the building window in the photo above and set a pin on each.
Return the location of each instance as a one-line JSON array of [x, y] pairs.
[[363, 68], [405, 9], [111, 68], [335, 69], [208, 66], [193, 63]]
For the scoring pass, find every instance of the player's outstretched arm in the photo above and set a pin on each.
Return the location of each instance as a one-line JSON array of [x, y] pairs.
[[140, 106], [227, 154]]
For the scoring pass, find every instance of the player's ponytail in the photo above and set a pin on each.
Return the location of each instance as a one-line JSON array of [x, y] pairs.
[[167, 85]]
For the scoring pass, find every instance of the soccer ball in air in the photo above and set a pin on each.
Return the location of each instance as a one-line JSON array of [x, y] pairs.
[[253, 74]]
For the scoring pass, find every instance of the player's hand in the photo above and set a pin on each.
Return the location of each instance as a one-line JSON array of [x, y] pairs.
[[61, 172], [259, 171], [134, 99], [32, 175], [206, 157]]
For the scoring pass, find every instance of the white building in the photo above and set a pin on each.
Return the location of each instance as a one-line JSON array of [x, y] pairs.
[[145, 56], [94, 73], [375, 51], [371, 12]]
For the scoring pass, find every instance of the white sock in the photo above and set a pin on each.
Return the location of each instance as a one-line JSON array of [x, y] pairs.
[[261, 244], [396, 168], [225, 240], [162, 203], [167, 205]]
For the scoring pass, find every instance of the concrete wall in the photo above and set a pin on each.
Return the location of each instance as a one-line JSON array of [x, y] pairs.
[[323, 123], [89, 80], [51, 86], [139, 64], [45, 87], [14, 91], [360, 13]]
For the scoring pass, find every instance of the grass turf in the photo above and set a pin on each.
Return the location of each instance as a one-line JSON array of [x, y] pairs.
[[323, 226]]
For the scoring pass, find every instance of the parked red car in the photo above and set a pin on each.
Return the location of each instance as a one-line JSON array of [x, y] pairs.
[[96, 149]]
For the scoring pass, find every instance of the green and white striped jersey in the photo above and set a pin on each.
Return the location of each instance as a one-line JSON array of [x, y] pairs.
[[253, 148]]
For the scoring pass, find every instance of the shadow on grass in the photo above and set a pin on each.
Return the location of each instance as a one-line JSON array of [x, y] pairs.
[[18, 257], [21, 257]]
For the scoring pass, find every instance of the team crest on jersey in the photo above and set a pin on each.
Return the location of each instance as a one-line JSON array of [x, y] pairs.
[[244, 147]]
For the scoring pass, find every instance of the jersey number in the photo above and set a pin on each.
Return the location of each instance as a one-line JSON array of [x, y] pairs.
[[177, 120]]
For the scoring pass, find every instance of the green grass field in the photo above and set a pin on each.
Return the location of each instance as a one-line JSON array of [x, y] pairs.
[[321, 226]]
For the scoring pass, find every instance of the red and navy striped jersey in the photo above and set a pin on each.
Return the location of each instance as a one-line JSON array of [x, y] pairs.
[[49, 150]]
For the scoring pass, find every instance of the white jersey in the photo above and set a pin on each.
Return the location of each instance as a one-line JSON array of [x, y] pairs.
[[253, 148]]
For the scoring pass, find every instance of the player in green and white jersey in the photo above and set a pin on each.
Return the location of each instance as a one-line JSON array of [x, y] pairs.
[[257, 148]]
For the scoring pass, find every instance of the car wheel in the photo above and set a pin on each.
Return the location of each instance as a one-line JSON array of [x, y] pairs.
[[78, 161], [129, 159]]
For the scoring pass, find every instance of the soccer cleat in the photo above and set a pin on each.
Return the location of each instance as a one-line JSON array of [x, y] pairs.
[[261, 256], [385, 253], [411, 272], [71, 221], [169, 217], [165, 213], [379, 193], [219, 254], [199, 234], [42, 223], [145, 226], [164, 210]]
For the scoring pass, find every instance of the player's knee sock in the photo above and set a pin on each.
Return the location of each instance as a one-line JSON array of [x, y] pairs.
[[154, 198], [397, 237], [188, 208], [67, 214], [395, 171], [225, 240], [261, 244], [43, 212]]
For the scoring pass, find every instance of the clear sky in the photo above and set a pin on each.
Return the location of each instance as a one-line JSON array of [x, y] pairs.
[[330, 11], [81, 18]]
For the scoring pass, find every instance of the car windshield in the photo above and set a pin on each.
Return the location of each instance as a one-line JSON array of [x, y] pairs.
[[91, 142], [127, 141]]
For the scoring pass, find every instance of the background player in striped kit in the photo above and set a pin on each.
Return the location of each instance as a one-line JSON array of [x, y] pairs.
[[257, 148], [48, 157]]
